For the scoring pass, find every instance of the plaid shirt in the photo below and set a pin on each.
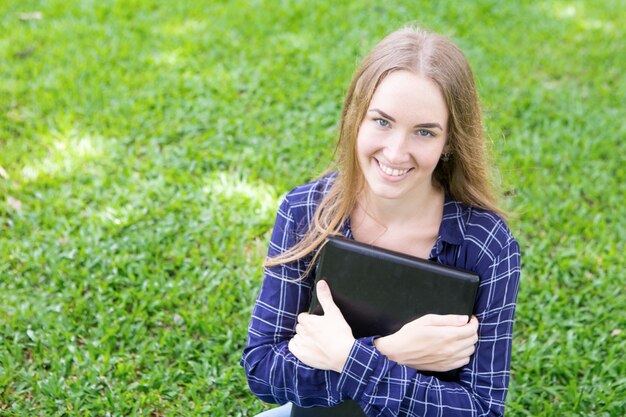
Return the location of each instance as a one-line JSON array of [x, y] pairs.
[[469, 238]]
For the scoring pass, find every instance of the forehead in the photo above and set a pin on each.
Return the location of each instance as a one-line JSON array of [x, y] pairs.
[[407, 96]]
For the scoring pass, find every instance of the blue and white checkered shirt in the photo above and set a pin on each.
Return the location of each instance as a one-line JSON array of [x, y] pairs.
[[469, 238]]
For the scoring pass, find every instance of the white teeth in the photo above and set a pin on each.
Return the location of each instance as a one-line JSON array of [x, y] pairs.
[[391, 171]]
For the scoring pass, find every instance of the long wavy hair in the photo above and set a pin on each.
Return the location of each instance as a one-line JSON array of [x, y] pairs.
[[465, 176]]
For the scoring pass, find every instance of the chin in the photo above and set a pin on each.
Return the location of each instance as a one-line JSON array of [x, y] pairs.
[[386, 192]]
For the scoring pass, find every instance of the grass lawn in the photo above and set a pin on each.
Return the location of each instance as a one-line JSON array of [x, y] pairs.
[[144, 146]]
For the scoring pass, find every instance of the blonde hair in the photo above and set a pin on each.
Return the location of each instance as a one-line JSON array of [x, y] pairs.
[[465, 176]]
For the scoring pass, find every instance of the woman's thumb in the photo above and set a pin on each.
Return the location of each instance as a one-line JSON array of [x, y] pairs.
[[325, 298]]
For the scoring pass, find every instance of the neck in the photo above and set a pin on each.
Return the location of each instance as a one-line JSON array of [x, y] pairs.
[[421, 206]]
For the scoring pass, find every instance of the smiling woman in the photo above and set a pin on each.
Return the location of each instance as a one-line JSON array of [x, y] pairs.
[[411, 177], [397, 155]]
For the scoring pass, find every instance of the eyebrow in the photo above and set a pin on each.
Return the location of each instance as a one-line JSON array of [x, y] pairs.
[[421, 125]]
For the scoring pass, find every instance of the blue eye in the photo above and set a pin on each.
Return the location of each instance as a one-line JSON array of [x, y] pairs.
[[424, 132], [381, 122]]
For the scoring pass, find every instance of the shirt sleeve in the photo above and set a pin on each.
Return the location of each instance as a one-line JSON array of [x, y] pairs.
[[384, 388], [274, 374]]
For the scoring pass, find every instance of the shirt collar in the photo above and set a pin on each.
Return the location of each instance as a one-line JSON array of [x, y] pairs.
[[452, 228]]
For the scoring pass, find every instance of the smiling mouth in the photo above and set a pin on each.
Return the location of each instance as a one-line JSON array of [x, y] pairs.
[[392, 171]]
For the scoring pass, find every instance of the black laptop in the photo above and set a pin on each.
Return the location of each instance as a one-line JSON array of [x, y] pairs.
[[378, 291]]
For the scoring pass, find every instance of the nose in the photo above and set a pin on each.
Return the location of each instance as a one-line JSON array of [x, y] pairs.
[[396, 147]]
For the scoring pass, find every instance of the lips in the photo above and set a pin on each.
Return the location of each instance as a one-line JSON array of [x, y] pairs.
[[394, 172]]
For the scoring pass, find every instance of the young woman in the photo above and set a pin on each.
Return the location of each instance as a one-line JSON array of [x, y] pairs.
[[411, 176]]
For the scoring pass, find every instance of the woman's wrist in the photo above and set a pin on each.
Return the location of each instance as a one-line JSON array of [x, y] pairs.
[[343, 358], [385, 345]]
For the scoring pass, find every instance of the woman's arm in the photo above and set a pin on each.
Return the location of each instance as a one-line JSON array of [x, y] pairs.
[[383, 387], [433, 342], [274, 374]]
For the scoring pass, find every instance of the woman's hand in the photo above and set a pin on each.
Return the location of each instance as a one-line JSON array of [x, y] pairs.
[[323, 342], [432, 343]]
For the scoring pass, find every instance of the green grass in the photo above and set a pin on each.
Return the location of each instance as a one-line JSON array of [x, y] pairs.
[[147, 144]]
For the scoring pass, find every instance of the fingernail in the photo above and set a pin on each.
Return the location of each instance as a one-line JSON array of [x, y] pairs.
[[463, 319], [322, 286]]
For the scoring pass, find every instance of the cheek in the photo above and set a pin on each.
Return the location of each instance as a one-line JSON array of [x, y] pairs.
[[431, 157], [367, 142]]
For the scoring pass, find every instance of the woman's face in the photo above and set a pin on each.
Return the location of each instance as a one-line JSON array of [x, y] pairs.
[[402, 136]]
